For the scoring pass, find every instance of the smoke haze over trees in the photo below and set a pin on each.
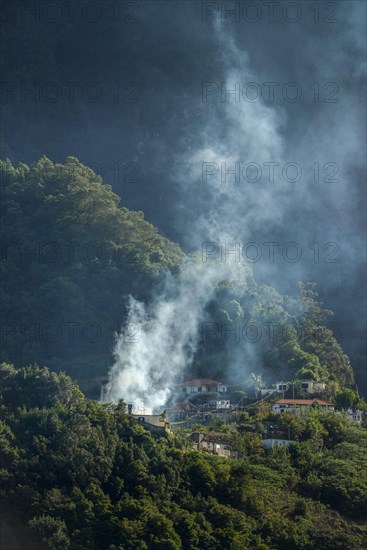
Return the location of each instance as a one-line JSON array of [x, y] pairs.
[[97, 266], [146, 110]]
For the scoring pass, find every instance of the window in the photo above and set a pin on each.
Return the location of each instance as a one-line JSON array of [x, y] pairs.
[[200, 388], [305, 386]]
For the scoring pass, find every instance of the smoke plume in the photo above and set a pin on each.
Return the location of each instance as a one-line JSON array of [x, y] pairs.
[[167, 330]]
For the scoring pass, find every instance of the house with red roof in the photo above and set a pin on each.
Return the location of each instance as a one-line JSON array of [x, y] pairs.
[[297, 406]]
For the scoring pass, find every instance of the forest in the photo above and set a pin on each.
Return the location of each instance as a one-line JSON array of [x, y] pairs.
[[76, 473]]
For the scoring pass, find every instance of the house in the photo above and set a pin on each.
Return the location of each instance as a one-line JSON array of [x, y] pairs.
[[310, 386], [153, 422], [201, 386], [355, 415], [215, 443], [298, 406], [218, 405], [203, 394], [200, 394], [281, 386]]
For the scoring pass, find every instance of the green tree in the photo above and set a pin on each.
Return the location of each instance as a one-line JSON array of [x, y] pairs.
[[52, 532]]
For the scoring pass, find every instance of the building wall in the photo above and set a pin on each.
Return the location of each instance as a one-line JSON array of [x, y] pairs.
[[297, 409], [270, 443], [281, 386], [204, 388], [308, 385], [319, 386], [152, 421], [355, 416], [217, 448], [213, 405]]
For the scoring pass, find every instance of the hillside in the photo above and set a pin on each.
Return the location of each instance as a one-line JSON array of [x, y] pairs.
[[71, 256], [76, 474], [182, 275]]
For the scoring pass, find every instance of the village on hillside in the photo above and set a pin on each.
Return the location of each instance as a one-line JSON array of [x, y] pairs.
[[200, 406]]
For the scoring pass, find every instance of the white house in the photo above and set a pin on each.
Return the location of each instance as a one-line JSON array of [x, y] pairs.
[[297, 406], [281, 386], [311, 386], [355, 415], [201, 385], [215, 443]]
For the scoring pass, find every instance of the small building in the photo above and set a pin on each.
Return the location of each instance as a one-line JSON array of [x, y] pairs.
[[201, 386], [216, 405], [215, 443], [355, 415], [281, 386], [310, 386], [153, 422], [297, 406]]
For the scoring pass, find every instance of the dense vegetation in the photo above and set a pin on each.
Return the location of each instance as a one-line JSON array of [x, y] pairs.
[[70, 258], [150, 125], [77, 474], [280, 337]]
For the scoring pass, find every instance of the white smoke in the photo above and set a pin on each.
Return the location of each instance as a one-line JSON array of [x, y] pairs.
[[235, 133], [159, 341], [166, 332]]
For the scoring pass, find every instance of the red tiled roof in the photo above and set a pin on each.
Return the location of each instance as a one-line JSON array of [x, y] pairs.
[[303, 402], [200, 382]]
